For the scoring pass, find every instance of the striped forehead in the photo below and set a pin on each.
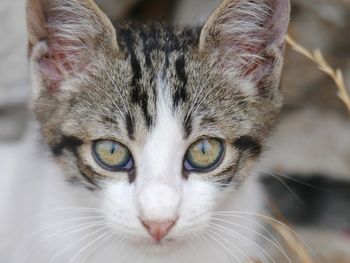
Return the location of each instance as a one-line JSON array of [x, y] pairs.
[[158, 60]]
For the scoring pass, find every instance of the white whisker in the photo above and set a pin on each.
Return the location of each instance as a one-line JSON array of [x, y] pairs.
[[277, 246], [211, 233], [236, 234], [63, 232], [57, 255], [102, 236], [264, 217]]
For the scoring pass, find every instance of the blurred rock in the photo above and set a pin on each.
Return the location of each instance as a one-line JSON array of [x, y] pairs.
[[13, 122], [194, 12], [116, 9], [13, 53], [14, 84]]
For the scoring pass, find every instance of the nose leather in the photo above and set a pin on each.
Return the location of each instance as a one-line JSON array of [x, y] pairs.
[[158, 230]]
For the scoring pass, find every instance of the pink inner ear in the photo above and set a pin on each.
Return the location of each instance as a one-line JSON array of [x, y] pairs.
[[258, 68], [71, 29], [52, 72], [64, 59], [246, 57]]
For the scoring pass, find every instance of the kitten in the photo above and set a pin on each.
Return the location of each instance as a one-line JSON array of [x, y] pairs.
[[154, 131]]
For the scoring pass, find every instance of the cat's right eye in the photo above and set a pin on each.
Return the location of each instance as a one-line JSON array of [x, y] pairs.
[[112, 156]]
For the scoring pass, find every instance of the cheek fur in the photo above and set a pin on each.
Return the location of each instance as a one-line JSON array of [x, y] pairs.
[[197, 202], [120, 209]]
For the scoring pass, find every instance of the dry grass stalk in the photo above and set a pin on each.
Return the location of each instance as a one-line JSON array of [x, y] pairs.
[[284, 230], [294, 243], [317, 57]]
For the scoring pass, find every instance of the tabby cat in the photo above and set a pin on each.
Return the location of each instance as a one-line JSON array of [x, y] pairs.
[[153, 132]]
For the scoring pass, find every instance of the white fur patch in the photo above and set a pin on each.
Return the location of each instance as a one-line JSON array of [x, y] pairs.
[[159, 185]]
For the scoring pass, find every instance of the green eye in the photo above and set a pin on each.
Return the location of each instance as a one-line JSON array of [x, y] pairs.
[[112, 156], [204, 155]]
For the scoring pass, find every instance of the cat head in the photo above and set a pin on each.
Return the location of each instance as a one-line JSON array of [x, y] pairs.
[[161, 124]]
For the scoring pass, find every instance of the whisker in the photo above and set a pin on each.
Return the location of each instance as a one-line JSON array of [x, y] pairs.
[[272, 172], [72, 209], [63, 232], [261, 226], [266, 218], [288, 188], [107, 238], [194, 238], [46, 228], [64, 222], [89, 245], [57, 255], [277, 246], [211, 233], [253, 244], [217, 253]]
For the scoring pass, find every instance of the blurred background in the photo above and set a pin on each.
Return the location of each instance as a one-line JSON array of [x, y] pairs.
[[306, 172]]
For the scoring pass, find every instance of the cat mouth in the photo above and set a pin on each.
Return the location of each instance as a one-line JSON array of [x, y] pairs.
[[159, 245], [162, 242]]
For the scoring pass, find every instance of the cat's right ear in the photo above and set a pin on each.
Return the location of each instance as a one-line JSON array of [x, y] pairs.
[[66, 39], [246, 38]]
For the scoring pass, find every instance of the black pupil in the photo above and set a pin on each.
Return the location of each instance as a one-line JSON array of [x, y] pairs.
[[203, 148], [113, 148]]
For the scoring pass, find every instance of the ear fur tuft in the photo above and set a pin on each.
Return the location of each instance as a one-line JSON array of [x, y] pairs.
[[74, 31], [247, 36]]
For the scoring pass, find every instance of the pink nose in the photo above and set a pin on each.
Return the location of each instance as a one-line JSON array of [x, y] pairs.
[[158, 230]]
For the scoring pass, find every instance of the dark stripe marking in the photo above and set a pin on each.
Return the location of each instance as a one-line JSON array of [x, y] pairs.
[[109, 119], [207, 120], [126, 37], [70, 143], [132, 176], [181, 93], [227, 179], [89, 180], [138, 96], [188, 126], [141, 99], [86, 172], [129, 126], [247, 143]]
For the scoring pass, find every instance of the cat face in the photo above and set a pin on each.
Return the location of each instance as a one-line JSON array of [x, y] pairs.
[[161, 124]]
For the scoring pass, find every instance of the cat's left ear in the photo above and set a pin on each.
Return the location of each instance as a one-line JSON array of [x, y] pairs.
[[66, 38], [246, 38]]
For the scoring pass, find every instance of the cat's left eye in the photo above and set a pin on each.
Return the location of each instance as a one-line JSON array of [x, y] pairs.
[[204, 155], [112, 155]]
